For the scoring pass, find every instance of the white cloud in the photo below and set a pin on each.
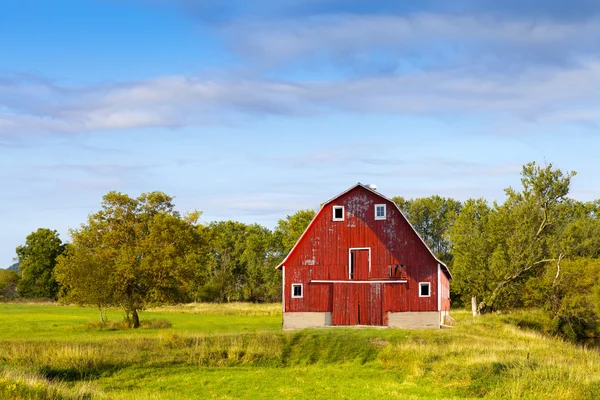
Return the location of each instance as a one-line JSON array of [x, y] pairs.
[[472, 65]]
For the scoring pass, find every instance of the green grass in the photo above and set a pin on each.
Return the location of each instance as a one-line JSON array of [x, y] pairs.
[[239, 351]]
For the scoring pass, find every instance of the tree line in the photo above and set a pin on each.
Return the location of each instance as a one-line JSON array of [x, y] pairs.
[[139, 252], [537, 248]]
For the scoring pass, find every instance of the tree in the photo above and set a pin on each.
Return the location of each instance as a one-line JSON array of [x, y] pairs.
[[289, 230], [472, 250], [8, 284], [239, 264], [525, 226], [133, 253], [569, 297], [37, 259], [222, 277]]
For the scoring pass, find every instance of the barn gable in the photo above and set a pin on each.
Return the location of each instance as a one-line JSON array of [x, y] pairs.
[[360, 262], [355, 208]]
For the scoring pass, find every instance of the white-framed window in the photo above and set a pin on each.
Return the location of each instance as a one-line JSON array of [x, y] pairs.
[[380, 211], [338, 213], [424, 289], [297, 292]]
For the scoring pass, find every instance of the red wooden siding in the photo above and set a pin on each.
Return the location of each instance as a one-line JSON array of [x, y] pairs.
[[357, 304], [445, 292], [323, 253]]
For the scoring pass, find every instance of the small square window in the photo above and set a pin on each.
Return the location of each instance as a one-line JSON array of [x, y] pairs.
[[338, 213], [380, 211], [296, 291], [424, 289]]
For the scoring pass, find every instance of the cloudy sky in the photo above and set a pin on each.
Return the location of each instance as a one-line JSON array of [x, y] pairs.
[[251, 110]]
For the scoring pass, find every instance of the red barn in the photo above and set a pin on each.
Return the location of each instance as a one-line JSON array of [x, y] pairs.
[[360, 262]]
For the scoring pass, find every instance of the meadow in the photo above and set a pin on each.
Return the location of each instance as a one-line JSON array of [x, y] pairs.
[[233, 351]]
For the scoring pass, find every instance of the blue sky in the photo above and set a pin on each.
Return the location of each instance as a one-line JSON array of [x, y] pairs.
[[253, 110]]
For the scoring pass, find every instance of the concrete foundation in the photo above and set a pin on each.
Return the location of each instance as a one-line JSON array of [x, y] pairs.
[[299, 320], [415, 320]]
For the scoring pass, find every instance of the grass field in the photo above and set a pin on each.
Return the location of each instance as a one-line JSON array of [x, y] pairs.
[[239, 351]]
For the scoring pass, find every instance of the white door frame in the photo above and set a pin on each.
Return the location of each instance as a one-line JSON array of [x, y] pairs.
[[350, 259]]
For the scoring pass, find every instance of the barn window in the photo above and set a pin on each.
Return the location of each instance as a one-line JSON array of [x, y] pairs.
[[297, 291], [338, 213], [424, 289], [380, 211]]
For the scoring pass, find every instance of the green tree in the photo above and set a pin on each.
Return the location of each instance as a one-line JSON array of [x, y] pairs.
[[37, 259], [133, 253], [239, 264], [8, 284], [289, 230], [472, 250], [570, 297], [262, 281], [524, 229]]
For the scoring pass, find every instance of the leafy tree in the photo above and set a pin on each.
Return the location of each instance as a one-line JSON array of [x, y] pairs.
[[133, 253], [263, 281], [289, 230], [37, 259], [8, 284], [222, 278], [472, 250], [239, 264], [570, 297], [523, 230]]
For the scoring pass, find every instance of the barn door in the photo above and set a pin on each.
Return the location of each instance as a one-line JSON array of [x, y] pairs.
[[357, 304], [370, 303], [345, 304], [360, 264]]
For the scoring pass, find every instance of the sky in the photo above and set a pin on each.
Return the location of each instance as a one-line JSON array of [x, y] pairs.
[[251, 111]]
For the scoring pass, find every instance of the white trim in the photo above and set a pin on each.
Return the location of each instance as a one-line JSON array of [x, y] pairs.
[[428, 284], [336, 281], [350, 258], [384, 212], [439, 289], [301, 291], [343, 213]]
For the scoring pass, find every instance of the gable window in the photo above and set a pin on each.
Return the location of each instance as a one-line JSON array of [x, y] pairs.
[[297, 291], [338, 213], [380, 211], [424, 289]]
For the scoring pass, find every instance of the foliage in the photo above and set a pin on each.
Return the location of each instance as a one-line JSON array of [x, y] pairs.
[[8, 284], [37, 259], [133, 253], [568, 294], [289, 230], [472, 249], [238, 264]]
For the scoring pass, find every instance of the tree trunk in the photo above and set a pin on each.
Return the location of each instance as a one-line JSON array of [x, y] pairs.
[[103, 317], [136, 319], [474, 306]]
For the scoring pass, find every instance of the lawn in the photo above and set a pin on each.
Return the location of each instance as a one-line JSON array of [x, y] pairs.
[[239, 351]]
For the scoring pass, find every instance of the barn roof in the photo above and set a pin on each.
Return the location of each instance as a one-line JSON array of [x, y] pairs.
[[383, 197]]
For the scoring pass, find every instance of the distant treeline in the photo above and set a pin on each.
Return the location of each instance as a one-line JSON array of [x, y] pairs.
[[538, 248]]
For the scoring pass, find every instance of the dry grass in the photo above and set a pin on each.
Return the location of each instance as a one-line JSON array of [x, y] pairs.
[[243, 309]]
